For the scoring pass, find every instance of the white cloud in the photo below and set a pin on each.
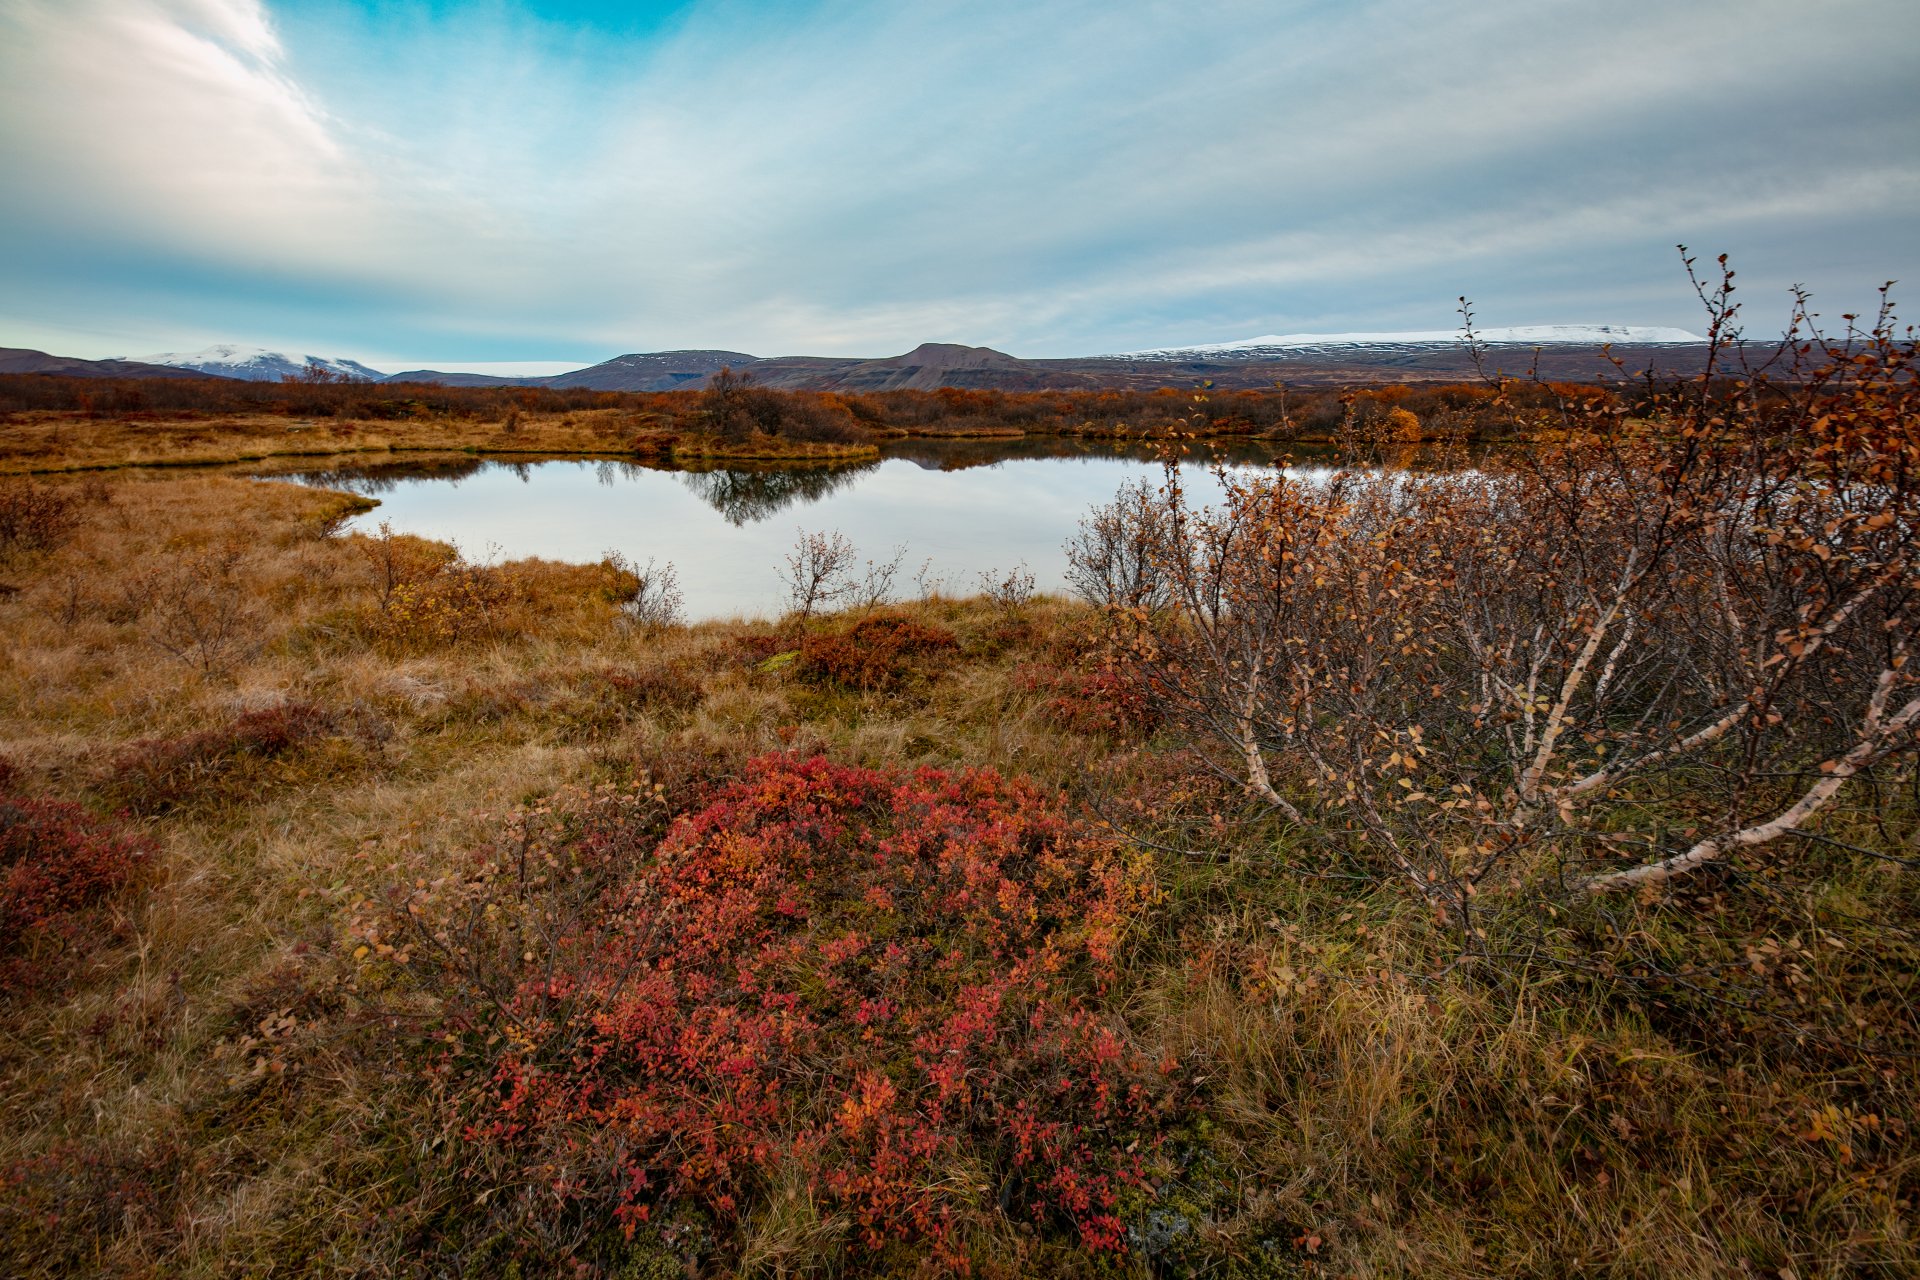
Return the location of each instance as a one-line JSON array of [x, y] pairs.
[[1054, 177], [168, 123]]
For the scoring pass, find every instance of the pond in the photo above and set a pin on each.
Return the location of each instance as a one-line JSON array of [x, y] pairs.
[[954, 510]]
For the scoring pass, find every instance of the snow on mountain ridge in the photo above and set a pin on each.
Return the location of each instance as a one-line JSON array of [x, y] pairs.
[[256, 364], [1518, 335]]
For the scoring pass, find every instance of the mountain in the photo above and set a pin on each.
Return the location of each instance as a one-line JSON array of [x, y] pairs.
[[652, 370], [24, 360], [257, 364], [929, 365], [1564, 352], [1558, 352], [1589, 336], [932, 364], [462, 379]]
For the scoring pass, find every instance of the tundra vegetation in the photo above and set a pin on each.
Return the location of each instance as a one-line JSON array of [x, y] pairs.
[[1497, 871], [58, 423]]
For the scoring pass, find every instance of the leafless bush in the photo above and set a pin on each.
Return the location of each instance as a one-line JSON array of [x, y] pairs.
[[876, 584], [1009, 590], [1494, 674], [820, 572], [35, 516], [199, 612], [1110, 558], [927, 584], [655, 601]]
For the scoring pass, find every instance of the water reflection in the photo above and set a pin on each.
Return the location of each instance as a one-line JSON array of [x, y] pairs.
[[745, 495], [376, 478], [749, 492], [958, 453], [962, 507]]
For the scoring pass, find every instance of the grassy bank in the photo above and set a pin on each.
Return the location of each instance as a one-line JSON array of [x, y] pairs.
[[46, 442], [54, 424], [238, 1063]]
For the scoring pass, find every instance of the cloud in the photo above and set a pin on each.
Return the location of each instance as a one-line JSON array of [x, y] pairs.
[[172, 111], [858, 176]]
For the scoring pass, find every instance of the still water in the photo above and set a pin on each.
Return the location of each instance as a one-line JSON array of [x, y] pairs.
[[959, 509]]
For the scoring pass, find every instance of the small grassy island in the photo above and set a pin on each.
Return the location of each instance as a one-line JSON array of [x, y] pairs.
[[1504, 871]]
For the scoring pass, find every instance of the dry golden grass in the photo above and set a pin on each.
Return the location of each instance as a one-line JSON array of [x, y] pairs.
[[51, 441], [55, 441], [214, 1095], [152, 1050]]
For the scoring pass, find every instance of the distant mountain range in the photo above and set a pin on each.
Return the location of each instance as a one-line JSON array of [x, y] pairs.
[[1590, 336], [257, 364], [23, 360], [1566, 352], [1561, 352]]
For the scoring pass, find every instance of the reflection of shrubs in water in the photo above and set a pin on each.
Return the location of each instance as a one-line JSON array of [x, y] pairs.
[[960, 453], [386, 477], [747, 496]]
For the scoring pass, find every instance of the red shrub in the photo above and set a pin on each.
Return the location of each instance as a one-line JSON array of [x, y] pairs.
[[877, 652], [757, 647], [876, 978], [62, 1207], [1091, 699], [58, 867], [155, 775], [661, 685]]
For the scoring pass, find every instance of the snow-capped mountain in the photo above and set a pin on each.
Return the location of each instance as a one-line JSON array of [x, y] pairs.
[[1537, 335], [257, 364]]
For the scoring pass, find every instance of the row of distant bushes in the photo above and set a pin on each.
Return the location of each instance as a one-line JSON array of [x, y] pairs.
[[740, 406], [190, 397]]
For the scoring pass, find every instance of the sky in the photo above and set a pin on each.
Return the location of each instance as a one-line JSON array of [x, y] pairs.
[[427, 183]]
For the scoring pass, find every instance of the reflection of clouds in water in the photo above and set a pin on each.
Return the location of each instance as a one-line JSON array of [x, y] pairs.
[[747, 496], [970, 513], [744, 494]]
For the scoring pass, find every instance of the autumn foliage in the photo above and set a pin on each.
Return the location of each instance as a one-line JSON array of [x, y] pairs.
[[428, 596], [59, 868], [868, 983], [157, 775], [1490, 675], [735, 408], [34, 517], [877, 652]]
